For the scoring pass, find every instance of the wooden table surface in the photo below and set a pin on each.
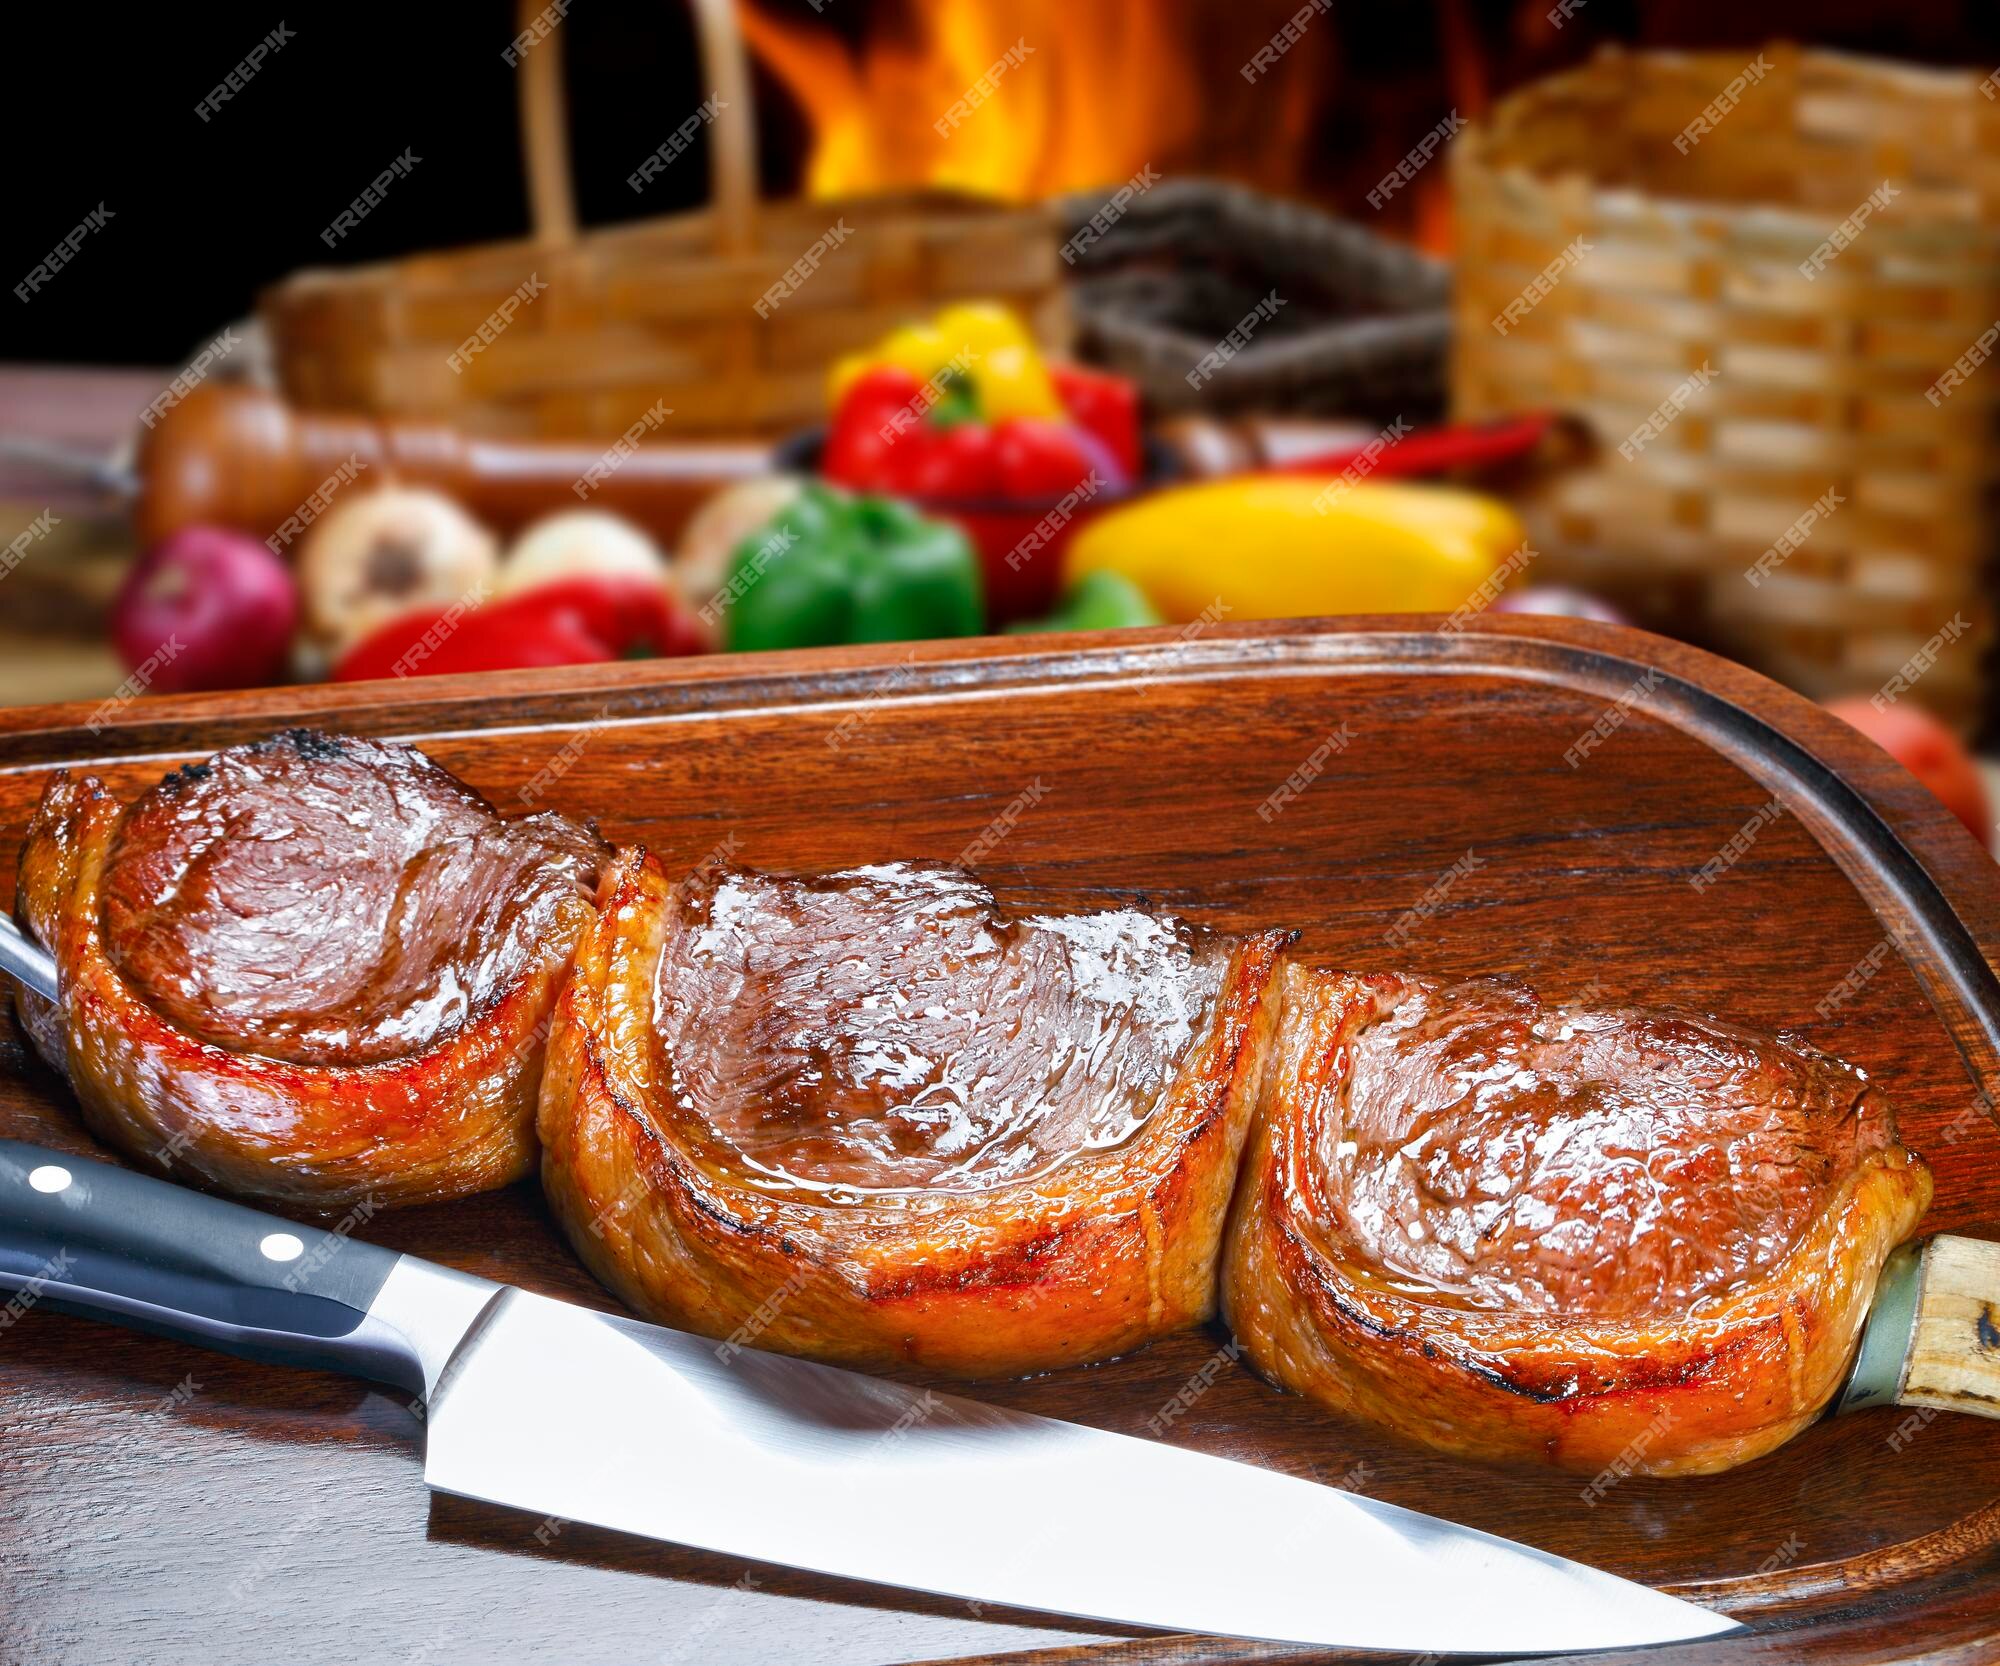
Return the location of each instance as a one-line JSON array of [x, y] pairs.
[[52, 644]]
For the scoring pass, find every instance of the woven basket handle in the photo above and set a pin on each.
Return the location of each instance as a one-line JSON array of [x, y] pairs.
[[732, 134]]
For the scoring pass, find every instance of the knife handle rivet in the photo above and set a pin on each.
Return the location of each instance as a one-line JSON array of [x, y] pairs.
[[50, 1177], [281, 1246]]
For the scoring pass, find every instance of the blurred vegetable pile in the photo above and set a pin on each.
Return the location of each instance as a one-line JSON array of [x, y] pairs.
[[398, 582], [964, 484]]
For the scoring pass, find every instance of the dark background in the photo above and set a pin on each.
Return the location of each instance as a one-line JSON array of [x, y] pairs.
[[205, 213], [100, 107]]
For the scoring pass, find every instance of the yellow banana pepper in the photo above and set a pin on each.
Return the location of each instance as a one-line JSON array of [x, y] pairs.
[[981, 340], [1281, 546]]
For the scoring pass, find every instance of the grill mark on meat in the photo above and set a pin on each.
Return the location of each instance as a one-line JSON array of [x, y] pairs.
[[186, 776], [1515, 1385], [312, 745]]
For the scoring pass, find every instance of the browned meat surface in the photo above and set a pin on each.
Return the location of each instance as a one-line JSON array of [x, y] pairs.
[[1559, 1233], [1000, 1050], [1593, 1164], [316, 968], [333, 901], [867, 1116]]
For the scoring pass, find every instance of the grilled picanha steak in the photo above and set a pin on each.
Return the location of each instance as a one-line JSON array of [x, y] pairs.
[[865, 1117], [315, 969], [1581, 1237]]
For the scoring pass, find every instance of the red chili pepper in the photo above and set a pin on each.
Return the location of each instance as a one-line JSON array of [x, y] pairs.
[[1106, 405], [1466, 445], [574, 621]]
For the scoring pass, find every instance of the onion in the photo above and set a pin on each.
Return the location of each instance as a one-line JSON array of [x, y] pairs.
[[709, 540], [580, 543], [1561, 602], [373, 558]]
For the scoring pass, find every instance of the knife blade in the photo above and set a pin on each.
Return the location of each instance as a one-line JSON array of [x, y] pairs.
[[28, 961], [543, 1406]]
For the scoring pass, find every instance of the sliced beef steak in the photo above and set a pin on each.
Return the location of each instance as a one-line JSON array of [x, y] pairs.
[[865, 1116], [315, 968], [1577, 1236], [334, 902]]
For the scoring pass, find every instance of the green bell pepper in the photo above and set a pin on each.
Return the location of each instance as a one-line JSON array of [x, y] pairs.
[[833, 568], [1100, 601]]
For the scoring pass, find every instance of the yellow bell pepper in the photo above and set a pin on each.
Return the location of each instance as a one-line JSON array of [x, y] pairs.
[[985, 341], [1282, 546]]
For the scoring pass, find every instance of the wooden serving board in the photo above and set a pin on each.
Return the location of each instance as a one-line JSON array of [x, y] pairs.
[[163, 1504]]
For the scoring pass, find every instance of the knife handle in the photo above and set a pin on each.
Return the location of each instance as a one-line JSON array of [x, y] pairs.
[[111, 1244]]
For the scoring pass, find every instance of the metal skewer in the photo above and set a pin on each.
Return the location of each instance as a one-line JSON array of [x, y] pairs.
[[24, 958]]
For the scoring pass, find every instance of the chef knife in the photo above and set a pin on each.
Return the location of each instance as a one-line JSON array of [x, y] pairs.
[[782, 1460]]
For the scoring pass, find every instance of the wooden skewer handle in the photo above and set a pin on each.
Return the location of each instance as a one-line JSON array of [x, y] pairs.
[[1933, 1332], [1953, 1361], [239, 457]]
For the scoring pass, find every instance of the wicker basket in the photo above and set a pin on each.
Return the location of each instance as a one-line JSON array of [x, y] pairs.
[[654, 311], [1749, 324], [1362, 333]]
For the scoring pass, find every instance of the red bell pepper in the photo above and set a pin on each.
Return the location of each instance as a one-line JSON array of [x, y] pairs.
[[1039, 460], [575, 621], [885, 439], [875, 430], [959, 464], [1105, 405], [891, 434]]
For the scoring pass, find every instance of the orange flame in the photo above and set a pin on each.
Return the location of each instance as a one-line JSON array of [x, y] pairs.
[[1011, 101]]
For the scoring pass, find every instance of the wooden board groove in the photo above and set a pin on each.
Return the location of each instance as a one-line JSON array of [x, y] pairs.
[[125, 1528]]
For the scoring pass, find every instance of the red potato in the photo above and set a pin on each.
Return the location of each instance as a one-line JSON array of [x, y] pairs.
[[205, 608]]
